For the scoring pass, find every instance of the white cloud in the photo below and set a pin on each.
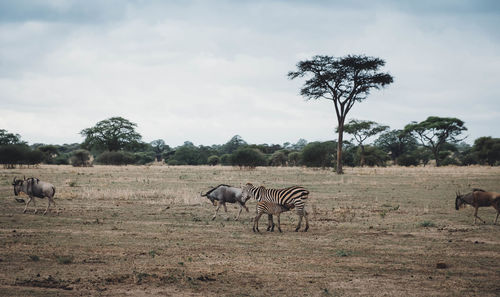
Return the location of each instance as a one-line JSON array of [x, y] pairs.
[[205, 72]]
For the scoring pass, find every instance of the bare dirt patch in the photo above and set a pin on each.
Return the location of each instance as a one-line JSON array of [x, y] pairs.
[[145, 231]]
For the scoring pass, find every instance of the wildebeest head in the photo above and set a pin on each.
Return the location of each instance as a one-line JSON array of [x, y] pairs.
[[459, 200], [18, 184]]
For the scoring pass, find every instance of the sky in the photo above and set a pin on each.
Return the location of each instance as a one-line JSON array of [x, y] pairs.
[[204, 71]]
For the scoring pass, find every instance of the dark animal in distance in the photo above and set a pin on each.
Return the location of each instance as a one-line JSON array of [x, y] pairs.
[[270, 208], [33, 187], [226, 194], [295, 195], [479, 198]]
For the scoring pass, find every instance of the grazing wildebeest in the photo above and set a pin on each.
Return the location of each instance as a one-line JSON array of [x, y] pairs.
[[33, 187], [270, 208], [479, 198], [223, 194]]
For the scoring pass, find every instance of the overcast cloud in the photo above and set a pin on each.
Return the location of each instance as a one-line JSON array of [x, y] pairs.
[[204, 71]]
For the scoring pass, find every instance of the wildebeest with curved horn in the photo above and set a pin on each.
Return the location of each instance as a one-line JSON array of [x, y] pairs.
[[33, 187], [224, 193], [479, 198]]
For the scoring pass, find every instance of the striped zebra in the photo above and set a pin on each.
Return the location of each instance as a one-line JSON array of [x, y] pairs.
[[270, 208], [293, 195]]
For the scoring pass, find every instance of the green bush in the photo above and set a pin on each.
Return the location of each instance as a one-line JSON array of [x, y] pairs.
[[225, 159], [81, 158], [248, 157], [213, 160], [319, 154], [294, 159], [144, 157], [279, 158], [116, 158]]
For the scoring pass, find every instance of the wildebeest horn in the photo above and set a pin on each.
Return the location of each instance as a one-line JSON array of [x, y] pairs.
[[203, 195], [14, 181]]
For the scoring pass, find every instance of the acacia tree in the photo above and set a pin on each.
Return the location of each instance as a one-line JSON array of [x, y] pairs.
[[113, 134], [9, 138], [342, 80], [159, 147], [361, 130], [434, 132], [397, 142]]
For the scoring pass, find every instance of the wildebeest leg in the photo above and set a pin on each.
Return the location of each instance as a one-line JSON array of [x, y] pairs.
[[476, 216], [279, 224], [497, 207], [239, 212], [34, 204], [27, 202], [256, 222], [48, 205], [216, 210]]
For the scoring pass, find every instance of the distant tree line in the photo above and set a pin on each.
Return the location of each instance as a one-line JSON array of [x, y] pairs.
[[115, 142]]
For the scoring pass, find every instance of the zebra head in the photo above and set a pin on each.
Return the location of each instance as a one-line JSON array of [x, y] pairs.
[[246, 192]]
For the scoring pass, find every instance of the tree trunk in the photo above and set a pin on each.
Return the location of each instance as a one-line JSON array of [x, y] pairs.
[[436, 156], [339, 146], [362, 157]]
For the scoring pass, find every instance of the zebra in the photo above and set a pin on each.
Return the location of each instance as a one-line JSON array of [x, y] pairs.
[[295, 195], [270, 208]]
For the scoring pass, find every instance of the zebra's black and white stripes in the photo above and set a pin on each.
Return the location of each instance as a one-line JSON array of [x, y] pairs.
[[293, 195], [270, 208]]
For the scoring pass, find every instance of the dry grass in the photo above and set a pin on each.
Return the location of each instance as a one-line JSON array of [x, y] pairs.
[[137, 230]]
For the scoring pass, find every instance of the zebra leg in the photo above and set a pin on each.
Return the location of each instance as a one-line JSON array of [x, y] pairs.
[[270, 223], [300, 213], [256, 223], [279, 224], [307, 221]]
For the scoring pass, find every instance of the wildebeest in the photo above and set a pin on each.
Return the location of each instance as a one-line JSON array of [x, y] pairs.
[[270, 208], [33, 187], [224, 193], [479, 198]]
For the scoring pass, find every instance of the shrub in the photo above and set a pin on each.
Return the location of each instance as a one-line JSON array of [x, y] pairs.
[[248, 157], [426, 224], [64, 259], [81, 158], [225, 159], [62, 159], [279, 158], [294, 158], [144, 157], [319, 154], [213, 160], [116, 158]]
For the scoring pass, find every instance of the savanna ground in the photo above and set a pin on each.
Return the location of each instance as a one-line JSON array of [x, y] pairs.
[[145, 231]]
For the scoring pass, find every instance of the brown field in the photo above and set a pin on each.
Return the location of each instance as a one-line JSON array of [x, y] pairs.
[[145, 231]]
